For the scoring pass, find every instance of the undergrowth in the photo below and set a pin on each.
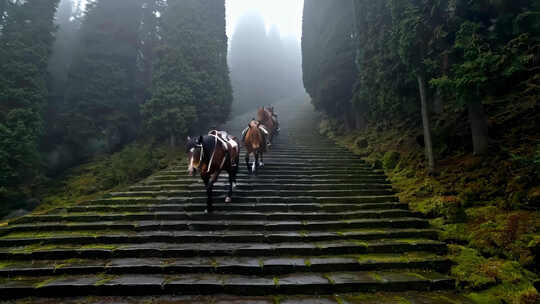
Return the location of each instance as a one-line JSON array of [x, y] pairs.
[[104, 173], [485, 207]]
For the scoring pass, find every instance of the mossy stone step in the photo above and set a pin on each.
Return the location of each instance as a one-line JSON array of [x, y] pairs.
[[262, 207], [246, 200], [256, 193], [267, 186], [405, 222], [271, 181], [201, 216], [167, 250], [229, 236], [200, 284], [228, 265]]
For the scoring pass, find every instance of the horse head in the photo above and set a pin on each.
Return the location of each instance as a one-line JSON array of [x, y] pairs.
[[194, 151]]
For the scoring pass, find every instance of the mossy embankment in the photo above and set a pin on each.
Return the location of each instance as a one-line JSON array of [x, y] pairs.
[[97, 176], [486, 207]]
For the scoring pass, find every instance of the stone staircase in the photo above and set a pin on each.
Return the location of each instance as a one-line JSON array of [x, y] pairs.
[[317, 220]]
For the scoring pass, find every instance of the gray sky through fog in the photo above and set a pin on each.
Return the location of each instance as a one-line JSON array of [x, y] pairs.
[[285, 14]]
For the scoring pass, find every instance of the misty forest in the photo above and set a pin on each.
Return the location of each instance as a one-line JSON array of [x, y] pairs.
[[379, 152]]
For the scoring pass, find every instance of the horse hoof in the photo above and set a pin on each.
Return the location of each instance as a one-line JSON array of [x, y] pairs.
[[261, 165], [228, 199], [234, 185]]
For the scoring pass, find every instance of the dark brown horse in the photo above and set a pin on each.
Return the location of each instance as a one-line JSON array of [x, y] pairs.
[[266, 119], [210, 154], [255, 144]]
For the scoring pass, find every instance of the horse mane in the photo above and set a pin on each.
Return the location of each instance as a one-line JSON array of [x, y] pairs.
[[209, 144]]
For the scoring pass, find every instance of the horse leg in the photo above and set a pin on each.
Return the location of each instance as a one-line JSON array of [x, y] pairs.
[[209, 184], [228, 199], [256, 163], [247, 162], [261, 163], [235, 169]]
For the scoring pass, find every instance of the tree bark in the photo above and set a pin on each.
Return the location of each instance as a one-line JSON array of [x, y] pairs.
[[173, 140], [479, 127], [360, 120], [425, 122]]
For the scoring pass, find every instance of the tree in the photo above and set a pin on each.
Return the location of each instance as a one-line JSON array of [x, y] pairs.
[[328, 55], [190, 83], [101, 108], [415, 26], [25, 47]]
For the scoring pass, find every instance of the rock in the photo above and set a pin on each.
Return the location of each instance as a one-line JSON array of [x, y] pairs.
[[377, 165], [361, 143]]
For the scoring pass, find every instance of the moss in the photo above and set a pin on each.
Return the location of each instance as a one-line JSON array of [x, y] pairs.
[[390, 160], [481, 203], [5, 264], [105, 173], [276, 281], [277, 299], [45, 282], [307, 262], [476, 272], [104, 279], [329, 278]]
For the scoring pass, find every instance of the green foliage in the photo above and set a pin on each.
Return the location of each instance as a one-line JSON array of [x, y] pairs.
[[328, 52], [25, 46], [390, 160], [101, 111], [131, 164], [191, 86]]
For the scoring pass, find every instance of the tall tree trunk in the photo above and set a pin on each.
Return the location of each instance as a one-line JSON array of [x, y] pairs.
[[425, 122], [479, 126], [173, 140], [360, 120]]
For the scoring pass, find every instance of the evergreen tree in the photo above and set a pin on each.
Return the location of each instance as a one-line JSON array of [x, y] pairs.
[[190, 86], [100, 105], [25, 47]]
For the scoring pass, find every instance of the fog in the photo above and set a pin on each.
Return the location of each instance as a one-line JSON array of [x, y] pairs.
[[264, 51]]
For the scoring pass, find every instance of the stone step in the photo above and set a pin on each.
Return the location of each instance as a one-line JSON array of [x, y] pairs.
[[270, 186], [256, 225], [423, 297], [201, 216], [267, 169], [262, 174], [275, 181], [228, 265], [246, 200], [273, 207], [205, 284], [168, 250], [229, 236], [254, 193]]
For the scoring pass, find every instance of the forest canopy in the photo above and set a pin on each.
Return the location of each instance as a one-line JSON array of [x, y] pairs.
[[78, 82]]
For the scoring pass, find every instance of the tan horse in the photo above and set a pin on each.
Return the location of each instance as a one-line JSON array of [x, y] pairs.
[[255, 144]]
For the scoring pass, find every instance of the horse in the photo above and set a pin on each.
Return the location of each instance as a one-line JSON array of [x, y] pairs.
[[255, 144], [210, 154], [270, 110], [265, 118]]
